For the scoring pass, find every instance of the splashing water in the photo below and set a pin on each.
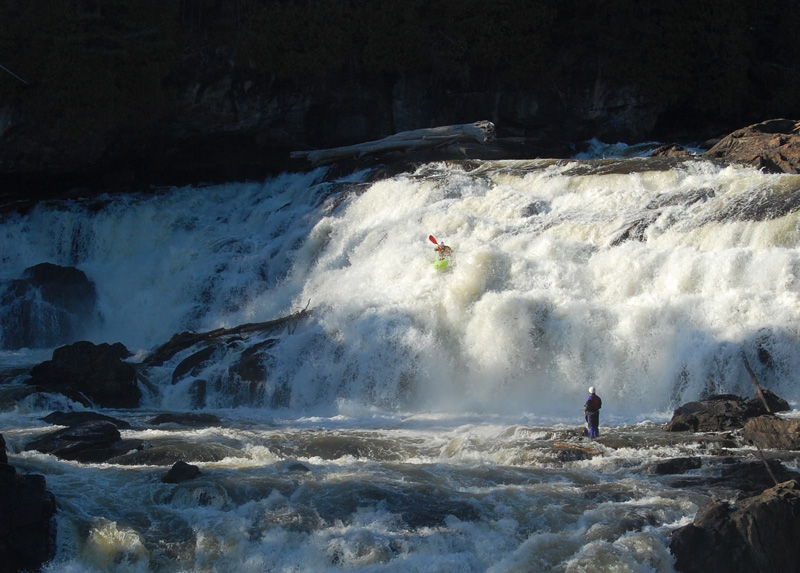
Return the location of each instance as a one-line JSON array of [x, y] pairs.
[[410, 391]]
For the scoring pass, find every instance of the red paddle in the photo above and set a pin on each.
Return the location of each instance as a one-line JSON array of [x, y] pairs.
[[433, 239]]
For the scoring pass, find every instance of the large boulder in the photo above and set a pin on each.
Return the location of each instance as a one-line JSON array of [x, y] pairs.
[[772, 145], [50, 305], [723, 412], [27, 526], [90, 374], [716, 413], [760, 533], [770, 432]]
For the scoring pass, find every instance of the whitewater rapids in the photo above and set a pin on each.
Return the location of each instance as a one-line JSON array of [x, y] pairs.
[[421, 403]]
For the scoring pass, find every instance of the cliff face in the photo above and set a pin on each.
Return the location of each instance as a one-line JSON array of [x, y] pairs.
[[126, 93]]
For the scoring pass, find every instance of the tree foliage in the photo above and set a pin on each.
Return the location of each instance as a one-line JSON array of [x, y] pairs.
[[92, 65], [89, 65]]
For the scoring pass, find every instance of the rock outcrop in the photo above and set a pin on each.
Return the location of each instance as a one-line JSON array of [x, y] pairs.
[[773, 146], [27, 526], [89, 374], [722, 412], [760, 533]]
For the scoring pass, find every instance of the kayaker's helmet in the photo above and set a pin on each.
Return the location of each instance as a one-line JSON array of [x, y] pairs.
[[591, 389]]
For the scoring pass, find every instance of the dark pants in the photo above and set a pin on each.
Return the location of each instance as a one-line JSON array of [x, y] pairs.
[[593, 421]]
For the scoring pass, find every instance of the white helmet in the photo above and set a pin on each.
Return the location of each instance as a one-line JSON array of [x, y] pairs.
[[591, 389]]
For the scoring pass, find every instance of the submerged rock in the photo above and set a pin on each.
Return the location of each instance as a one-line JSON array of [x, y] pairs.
[[760, 533], [77, 418], [90, 442], [186, 419], [166, 454], [676, 465], [180, 472]]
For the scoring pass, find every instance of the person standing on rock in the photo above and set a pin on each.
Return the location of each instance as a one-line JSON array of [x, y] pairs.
[[591, 413]]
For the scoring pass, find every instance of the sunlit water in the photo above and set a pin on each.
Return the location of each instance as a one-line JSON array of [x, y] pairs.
[[422, 406]]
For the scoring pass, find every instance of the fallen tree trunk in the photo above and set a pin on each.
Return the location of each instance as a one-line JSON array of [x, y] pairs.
[[186, 339], [480, 131]]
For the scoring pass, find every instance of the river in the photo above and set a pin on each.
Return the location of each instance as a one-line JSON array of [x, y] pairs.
[[408, 424]]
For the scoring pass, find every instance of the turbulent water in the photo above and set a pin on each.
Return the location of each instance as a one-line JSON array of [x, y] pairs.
[[407, 423]]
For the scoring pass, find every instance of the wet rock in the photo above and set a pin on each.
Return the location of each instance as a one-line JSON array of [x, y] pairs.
[[569, 452], [676, 465], [775, 403], [751, 478], [186, 419], [27, 526], [89, 442], [50, 305], [89, 374], [298, 467], [770, 432], [251, 365], [180, 472], [197, 392], [670, 150], [78, 418], [773, 146], [722, 412], [717, 413], [192, 363], [417, 507], [760, 533], [166, 454]]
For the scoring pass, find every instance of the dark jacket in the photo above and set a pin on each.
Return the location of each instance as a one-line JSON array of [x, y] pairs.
[[593, 403]]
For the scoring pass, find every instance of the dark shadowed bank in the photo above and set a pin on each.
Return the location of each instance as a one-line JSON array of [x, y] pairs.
[[126, 94]]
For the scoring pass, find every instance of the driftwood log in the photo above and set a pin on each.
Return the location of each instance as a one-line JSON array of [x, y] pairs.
[[186, 339], [480, 131]]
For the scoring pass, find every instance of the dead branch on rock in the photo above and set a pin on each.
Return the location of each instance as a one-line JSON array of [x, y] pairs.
[[755, 382], [185, 340], [480, 131], [764, 401]]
